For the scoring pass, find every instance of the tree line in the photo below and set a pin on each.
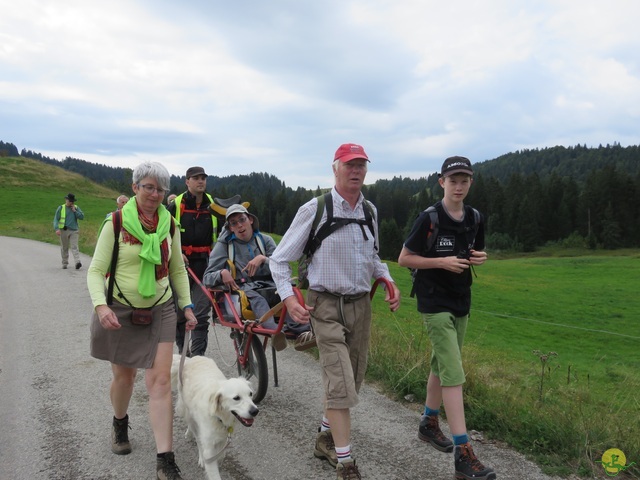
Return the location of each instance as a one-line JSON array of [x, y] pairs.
[[570, 196]]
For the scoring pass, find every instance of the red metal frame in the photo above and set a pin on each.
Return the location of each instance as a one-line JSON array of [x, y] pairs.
[[253, 327]]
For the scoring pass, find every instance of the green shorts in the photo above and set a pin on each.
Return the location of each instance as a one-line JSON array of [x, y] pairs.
[[446, 333]]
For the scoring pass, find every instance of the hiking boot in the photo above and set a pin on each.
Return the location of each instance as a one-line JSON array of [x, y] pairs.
[[347, 471], [78, 265], [429, 431], [64, 267], [120, 444], [325, 448], [305, 341], [166, 468], [468, 467]]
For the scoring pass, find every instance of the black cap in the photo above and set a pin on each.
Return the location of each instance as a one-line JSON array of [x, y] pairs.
[[456, 165], [193, 171], [71, 197]]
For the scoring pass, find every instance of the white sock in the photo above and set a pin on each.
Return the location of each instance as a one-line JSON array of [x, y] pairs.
[[344, 453], [324, 426]]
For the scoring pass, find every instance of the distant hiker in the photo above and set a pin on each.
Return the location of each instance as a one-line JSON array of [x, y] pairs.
[[121, 200], [443, 286], [65, 223], [338, 303]]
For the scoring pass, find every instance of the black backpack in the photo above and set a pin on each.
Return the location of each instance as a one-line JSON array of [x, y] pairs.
[[325, 202], [434, 228]]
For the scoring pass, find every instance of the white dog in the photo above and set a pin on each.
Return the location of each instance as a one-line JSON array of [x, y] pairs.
[[210, 404]]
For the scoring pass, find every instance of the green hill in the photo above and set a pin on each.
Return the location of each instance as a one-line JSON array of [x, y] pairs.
[[570, 196], [32, 191]]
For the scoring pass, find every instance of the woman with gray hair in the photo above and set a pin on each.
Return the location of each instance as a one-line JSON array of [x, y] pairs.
[[137, 327]]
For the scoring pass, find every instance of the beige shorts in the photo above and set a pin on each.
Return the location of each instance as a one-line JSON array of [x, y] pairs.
[[342, 328]]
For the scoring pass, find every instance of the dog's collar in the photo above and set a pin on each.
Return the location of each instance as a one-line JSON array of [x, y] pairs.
[[229, 428]]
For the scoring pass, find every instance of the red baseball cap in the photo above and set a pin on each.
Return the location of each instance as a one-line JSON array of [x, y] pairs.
[[350, 151]]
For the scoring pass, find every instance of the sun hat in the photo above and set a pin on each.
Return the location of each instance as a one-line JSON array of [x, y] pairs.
[[237, 208]]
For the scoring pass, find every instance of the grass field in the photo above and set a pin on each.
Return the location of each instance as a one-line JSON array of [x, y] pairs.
[[563, 409], [566, 404]]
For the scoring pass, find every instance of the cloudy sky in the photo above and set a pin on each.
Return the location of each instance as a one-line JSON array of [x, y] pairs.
[[276, 86]]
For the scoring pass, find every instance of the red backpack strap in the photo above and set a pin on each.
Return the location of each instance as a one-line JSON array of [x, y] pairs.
[[116, 219]]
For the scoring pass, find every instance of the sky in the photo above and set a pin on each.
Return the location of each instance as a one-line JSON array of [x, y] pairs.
[[276, 86]]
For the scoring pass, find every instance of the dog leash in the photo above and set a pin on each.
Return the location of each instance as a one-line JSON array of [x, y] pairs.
[[215, 457], [185, 347]]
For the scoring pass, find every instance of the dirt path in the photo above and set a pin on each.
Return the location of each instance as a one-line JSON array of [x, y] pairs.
[[55, 413]]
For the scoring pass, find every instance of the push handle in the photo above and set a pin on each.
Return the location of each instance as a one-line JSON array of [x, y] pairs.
[[387, 285]]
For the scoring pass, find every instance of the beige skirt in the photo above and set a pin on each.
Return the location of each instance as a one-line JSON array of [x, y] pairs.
[[132, 345]]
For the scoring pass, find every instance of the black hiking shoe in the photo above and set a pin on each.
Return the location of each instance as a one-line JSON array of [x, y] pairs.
[[78, 265], [468, 467], [166, 468], [120, 444], [429, 431]]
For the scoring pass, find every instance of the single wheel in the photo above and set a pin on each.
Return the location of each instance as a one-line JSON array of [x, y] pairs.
[[255, 370]]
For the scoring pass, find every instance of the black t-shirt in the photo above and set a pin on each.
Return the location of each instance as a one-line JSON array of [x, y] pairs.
[[440, 290]]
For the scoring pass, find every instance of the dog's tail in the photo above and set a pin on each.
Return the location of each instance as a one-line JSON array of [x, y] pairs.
[[175, 367]]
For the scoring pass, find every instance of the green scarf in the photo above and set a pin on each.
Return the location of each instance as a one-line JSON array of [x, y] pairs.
[[150, 254]]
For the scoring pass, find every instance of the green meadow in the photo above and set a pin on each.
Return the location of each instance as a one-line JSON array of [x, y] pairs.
[[551, 356], [552, 351]]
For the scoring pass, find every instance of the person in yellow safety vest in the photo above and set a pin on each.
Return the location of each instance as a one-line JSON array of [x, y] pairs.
[[198, 232], [65, 223]]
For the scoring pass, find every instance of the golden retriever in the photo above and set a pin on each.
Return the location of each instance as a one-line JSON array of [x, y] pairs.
[[210, 405]]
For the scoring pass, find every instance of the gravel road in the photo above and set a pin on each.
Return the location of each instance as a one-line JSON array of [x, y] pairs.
[[55, 414]]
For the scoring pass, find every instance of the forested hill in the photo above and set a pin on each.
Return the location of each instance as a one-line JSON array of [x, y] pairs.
[[574, 196], [575, 162]]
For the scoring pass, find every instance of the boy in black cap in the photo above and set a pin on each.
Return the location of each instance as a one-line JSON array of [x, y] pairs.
[[443, 287], [65, 223]]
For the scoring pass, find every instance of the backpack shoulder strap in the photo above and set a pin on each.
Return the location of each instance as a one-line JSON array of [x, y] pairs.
[[473, 230], [432, 234], [369, 218], [324, 201], [260, 242], [116, 219], [434, 226]]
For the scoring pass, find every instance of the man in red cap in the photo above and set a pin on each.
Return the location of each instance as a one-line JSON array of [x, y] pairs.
[[338, 303]]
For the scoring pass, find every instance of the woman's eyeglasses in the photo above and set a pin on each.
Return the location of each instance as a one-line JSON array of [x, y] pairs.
[[151, 189]]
